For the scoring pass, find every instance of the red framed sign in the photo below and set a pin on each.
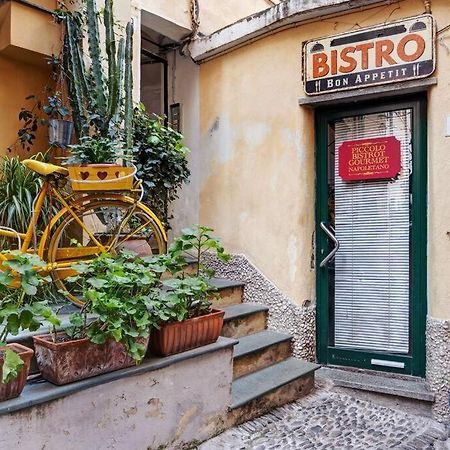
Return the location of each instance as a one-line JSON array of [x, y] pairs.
[[370, 159]]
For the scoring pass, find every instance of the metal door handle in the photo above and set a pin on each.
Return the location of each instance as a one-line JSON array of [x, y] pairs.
[[331, 235]]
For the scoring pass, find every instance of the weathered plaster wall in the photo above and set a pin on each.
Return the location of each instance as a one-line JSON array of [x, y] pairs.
[[23, 69], [213, 14], [257, 172], [166, 409], [184, 88], [257, 178], [216, 14], [23, 79], [176, 11]]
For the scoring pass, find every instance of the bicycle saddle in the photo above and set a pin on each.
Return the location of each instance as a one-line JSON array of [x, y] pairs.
[[43, 168]]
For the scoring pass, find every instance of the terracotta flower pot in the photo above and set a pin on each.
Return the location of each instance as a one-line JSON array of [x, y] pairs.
[[73, 360], [138, 245], [15, 387], [177, 337]]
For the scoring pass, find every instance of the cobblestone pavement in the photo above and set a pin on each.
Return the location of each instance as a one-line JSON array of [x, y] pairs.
[[333, 421]]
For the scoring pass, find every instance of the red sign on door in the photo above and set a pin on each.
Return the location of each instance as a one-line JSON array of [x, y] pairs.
[[370, 159]]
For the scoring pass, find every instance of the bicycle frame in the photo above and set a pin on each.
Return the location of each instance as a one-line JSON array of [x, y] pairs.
[[66, 208]]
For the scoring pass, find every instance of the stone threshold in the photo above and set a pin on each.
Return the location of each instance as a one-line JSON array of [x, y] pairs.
[[380, 383], [38, 391]]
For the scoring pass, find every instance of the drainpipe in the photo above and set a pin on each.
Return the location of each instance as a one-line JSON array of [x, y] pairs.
[[427, 4]]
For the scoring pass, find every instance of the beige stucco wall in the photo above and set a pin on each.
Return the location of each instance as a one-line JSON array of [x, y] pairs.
[[257, 177], [213, 14], [23, 68], [216, 14]]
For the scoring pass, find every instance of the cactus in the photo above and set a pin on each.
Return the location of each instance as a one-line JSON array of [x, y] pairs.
[[102, 104], [111, 52], [74, 67], [95, 54], [129, 87]]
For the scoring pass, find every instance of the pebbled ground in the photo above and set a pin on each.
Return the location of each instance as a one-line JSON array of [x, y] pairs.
[[334, 421]]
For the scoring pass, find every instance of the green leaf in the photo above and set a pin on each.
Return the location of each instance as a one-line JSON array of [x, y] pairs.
[[12, 366]]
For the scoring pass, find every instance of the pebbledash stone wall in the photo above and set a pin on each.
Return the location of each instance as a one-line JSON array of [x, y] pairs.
[[438, 366], [284, 315]]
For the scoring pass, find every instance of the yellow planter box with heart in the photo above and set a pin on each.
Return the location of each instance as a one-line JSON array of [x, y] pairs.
[[101, 177]]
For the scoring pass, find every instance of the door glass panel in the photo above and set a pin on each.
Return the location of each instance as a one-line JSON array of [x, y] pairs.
[[370, 276]]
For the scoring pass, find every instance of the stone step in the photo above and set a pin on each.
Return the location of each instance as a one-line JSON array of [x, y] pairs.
[[230, 292], [260, 350], [261, 391], [380, 383], [244, 319]]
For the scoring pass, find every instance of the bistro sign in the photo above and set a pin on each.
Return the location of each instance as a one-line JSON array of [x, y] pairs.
[[384, 54]]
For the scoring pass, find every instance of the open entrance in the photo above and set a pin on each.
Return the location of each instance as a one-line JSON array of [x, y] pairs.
[[371, 245], [154, 74]]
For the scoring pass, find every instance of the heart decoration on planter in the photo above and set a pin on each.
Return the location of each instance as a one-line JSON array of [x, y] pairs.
[[102, 175], [84, 175]]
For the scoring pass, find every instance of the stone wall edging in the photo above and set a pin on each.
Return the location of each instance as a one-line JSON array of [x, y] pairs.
[[438, 366], [284, 315]]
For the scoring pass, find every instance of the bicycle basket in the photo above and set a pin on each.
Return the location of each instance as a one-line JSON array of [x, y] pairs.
[[101, 177]]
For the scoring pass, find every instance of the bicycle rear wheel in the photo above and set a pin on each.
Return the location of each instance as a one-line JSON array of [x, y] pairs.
[[109, 225]]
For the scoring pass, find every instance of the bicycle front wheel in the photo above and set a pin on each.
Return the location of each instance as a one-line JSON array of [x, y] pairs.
[[105, 225]]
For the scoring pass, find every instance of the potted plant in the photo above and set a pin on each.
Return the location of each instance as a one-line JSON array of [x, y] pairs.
[[100, 95], [93, 165], [60, 130], [19, 310], [184, 311], [112, 329]]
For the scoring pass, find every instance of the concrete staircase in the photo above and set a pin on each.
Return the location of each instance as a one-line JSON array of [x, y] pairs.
[[265, 375]]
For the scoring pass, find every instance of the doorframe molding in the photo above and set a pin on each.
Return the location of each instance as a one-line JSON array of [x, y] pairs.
[[416, 360]]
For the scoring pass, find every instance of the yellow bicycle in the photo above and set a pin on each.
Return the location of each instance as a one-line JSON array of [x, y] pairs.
[[85, 225]]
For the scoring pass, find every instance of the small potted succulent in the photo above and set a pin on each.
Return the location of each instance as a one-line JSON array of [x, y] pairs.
[[19, 310], [111, 331], [60, 130], [93, 165], [184, 310]]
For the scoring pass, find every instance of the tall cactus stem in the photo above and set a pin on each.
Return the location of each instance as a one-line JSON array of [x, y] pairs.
[[111, 53], [116, 97], [129, 87], [77, 78], [95, 54]]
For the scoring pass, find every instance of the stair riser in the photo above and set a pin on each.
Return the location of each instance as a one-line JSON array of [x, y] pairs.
[[259, 360], [288, 393], [244, 326], [229, 296]]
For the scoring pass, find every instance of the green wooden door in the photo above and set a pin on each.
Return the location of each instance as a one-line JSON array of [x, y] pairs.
[[371, 242]]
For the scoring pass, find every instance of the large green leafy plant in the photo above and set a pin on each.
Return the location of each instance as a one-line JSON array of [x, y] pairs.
[[185, 296], [161, 161], [20, 307], [117, 291]]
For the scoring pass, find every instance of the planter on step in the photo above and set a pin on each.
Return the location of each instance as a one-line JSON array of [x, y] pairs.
[[177, 337], [15, 387], [66, 361]]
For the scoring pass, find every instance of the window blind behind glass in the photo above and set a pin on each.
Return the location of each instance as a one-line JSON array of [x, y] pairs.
[[372, 221]]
